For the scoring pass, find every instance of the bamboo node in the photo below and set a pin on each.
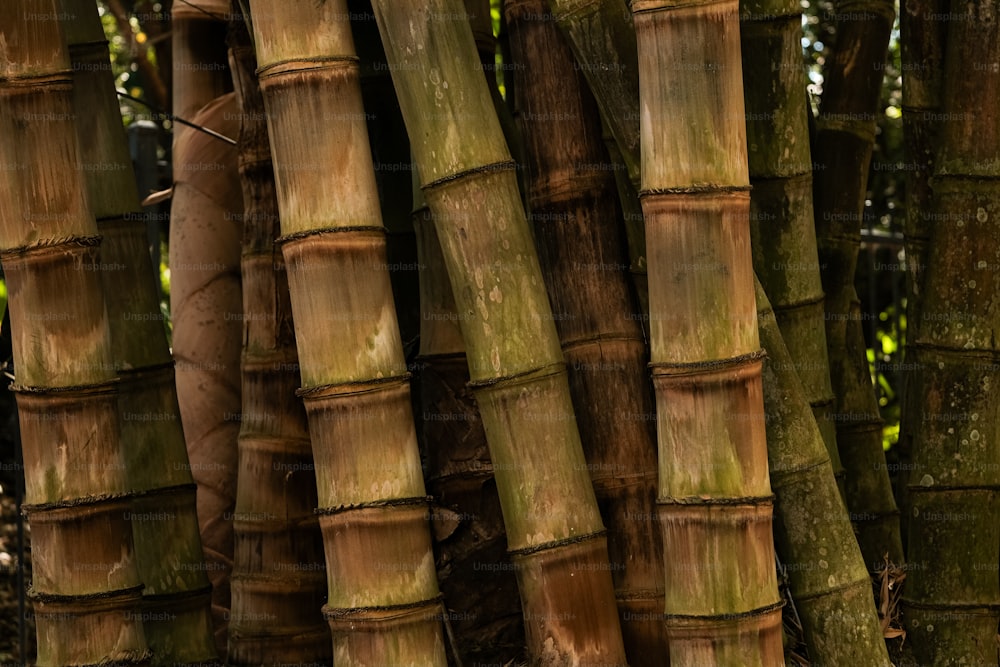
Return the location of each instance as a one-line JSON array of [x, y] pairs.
[[385, 503], [504, 165], [41, 245], [745, 363], [575, 539]]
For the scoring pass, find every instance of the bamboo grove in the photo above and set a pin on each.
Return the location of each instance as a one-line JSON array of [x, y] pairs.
[[561, 367]]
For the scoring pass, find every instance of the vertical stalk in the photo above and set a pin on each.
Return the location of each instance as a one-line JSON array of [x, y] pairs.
[[554, 529], [722, 605], [176, 597], [602, 38], [783, 234], [952, 598], [476, 575], [86, 588], [581, 247], [393, 174], [383, 601], [813, 533], [922, 45], [278, 580], [845, 133]]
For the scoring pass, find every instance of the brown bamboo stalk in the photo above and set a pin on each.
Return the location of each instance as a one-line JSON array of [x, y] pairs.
[[722, 605], [475, 573], [383, 601], [86, 588], [278, 580], [176, 597], [845, 133], [581, 247], [554, 529]]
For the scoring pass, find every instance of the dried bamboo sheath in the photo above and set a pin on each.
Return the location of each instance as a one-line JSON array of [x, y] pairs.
[[715, 498], [383, 603]]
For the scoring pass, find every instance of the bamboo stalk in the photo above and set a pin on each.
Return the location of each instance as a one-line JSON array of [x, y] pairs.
[[176, 596], [554, 530], [475, 573], [581, 247], [722, 604], [86, 588], [383, 601], [952, 598], [782, 231], [813, 534], [393, 172], [278, 583], [922, 57], [842, 151]]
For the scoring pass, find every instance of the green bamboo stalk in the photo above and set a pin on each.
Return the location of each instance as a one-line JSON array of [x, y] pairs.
[[813, 534], [86, 588], [581, 247], [554, 530], [176, 597], [782, 231], [845, 133], [922, 54], [393, 173], [474, 571], [952, 598], [722, 605], [204, 264], [383, 602], [278, 583]]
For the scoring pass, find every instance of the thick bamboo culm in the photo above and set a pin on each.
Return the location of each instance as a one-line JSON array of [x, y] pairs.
[[952, 597], [813, 534], [602, 37], [482, 601], [86, 587], [842, 148], [393, 173], [176, 597], [383, 602], [554, 529], [722, 605], [204, 281], [783, 235], [579, 234], [278, 583]]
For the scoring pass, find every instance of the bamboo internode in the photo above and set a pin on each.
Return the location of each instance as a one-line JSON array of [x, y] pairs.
[[383, 604], [722, 604]]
